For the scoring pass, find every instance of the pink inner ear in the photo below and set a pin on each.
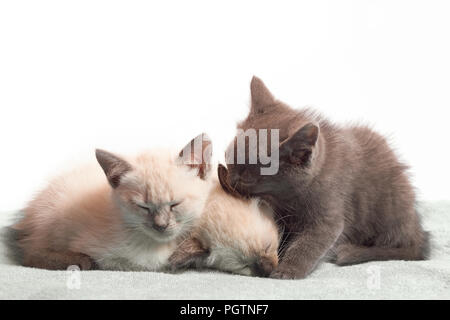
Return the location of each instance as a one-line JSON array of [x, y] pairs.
[[197, 154], [222, 174], [311, 134], [113, 166], [305, 137], [300, 157]]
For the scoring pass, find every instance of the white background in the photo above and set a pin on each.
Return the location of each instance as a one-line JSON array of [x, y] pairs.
[[126, 75]]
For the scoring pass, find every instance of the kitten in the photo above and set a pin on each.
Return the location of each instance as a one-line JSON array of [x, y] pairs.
[[234, 235], [131, 220], [340, 192]]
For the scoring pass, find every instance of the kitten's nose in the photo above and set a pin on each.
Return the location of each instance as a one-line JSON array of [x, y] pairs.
[[263, 267], [161, 222]]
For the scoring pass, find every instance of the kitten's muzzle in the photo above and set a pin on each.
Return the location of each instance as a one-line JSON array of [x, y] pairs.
[[161, 222]]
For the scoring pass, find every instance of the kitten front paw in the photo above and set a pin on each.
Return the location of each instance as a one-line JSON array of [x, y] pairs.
[[86, 263], [287, 273], [345, 255]]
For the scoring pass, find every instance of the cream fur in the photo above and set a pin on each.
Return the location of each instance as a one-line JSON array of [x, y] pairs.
[[237, 232], [80, 212]]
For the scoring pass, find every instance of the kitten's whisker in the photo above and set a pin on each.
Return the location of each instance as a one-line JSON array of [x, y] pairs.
[[284, 217]]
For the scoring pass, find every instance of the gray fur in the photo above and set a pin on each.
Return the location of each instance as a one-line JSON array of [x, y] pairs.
[[341, 191]]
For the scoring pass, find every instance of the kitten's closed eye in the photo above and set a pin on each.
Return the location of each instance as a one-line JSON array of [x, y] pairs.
[[143, 206], [149, 208], [174, 204]]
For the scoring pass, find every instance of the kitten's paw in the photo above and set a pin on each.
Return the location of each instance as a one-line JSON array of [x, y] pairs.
[[86, 263], [345, 255], [286, 273]]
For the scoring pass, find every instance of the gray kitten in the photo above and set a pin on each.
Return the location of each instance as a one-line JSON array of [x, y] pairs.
[[339, 193]]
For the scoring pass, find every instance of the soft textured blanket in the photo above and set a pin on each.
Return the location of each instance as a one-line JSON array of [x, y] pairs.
[[375, 280]]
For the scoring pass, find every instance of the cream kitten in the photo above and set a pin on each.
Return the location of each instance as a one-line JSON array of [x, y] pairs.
[[134, 222], [234, 235]]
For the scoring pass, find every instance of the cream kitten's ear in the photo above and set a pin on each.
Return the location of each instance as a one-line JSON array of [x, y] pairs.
[[197, 155], [262, 99], [113, 166], [222, 173]]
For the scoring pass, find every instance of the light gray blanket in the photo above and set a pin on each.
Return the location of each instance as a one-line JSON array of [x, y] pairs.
[[375, 280]]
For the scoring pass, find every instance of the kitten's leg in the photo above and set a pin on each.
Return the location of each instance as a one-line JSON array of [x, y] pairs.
[[54, 260], [308, 248], [119, 264], [348, 254], [402, 240], [189, 253]]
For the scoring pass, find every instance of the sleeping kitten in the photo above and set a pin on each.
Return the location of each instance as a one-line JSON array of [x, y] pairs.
[[233, 235], [339, 192], [134, 222]]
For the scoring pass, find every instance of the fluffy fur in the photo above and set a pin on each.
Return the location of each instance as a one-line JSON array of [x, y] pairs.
[[134, 222], [340, 191], [234, 235]]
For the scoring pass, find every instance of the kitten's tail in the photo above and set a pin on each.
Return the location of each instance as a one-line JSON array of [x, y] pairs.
[[10, 237]]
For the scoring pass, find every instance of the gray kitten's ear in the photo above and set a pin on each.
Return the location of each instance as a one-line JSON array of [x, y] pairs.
[[262, 99], [299, 147], [197, 155], [113, 166]]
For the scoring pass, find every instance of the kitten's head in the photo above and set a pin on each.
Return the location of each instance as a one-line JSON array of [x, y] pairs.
[[235, 235], [160, 194], [299, 142]]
